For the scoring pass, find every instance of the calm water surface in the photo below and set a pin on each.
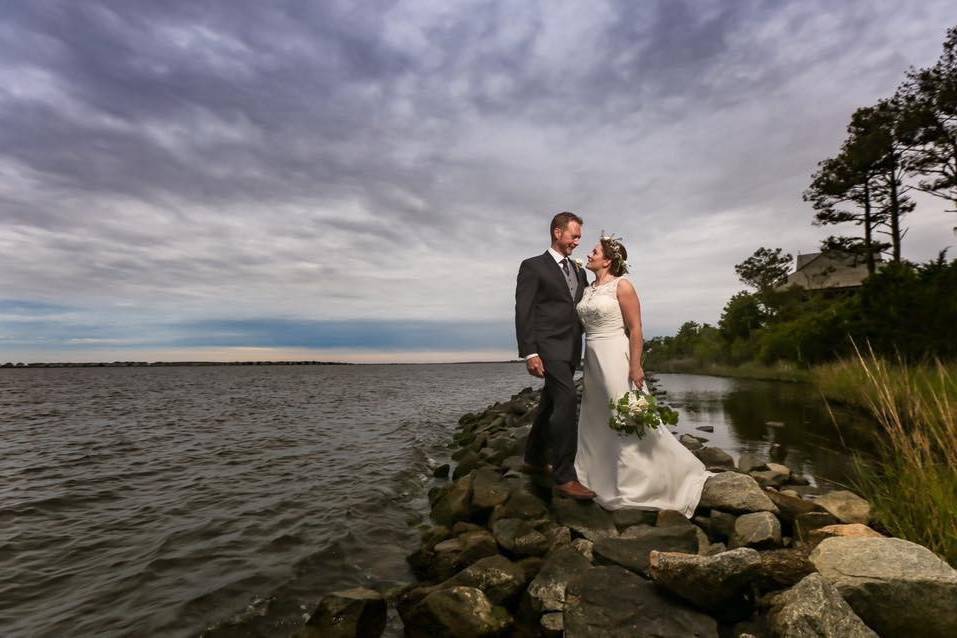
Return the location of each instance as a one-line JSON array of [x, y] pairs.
[[750, 416], [173, 501]]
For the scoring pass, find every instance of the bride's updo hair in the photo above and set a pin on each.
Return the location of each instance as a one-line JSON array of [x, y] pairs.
[[615, 251]]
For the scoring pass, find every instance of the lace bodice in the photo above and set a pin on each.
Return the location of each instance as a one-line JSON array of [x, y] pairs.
[[599, 309]]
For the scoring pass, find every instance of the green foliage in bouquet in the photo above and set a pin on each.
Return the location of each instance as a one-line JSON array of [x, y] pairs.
[[636, 412]]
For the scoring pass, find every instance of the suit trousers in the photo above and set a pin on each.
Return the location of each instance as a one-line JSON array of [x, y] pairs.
[[554, 434]]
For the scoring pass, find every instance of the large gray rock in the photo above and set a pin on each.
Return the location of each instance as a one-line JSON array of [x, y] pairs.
[[852, 530], [488, 490], [557, 535], [768, 478], [814, 609], [735, 492], [670, 518], [546, 592], [468, 462], [847, 507], [779, 468], [761, 530], [791, 506], [611, 602], [691, 442], [721, 524], [454, 504], [521, 504], [714, 457], [454, 613], [584, 547], [709, 582], [519, 537], [552, 624], [630, 517], [354, 613], [748, 461], [783, 568], [584, 518], [633, 552], [897, 587], [500, 579], [450, 556]]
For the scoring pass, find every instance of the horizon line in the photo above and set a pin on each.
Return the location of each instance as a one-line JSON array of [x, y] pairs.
[[9, 365]]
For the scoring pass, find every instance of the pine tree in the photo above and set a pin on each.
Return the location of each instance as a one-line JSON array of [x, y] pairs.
[[929, 123]]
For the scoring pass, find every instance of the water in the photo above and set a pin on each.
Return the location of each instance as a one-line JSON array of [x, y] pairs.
[[173, 501], [750, 416], [158, 501]]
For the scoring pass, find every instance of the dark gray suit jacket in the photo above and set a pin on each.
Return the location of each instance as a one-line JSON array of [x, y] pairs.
[[545, 319]]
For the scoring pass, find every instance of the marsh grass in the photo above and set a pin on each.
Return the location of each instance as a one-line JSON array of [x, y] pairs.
[[782, 371], [912, 484]]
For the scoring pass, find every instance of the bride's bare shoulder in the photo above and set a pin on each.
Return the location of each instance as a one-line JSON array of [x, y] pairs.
[[625, 287]]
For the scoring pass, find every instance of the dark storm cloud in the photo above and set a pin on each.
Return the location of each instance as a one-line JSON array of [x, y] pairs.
[[163, 163]]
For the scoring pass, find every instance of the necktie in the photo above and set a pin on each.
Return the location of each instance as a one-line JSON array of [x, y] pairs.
[[569, 279]]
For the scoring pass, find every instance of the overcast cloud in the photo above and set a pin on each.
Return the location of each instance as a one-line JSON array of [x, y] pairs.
[[245, 179]]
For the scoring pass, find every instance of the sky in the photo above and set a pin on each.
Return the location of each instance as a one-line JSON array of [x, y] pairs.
[[359, 181]]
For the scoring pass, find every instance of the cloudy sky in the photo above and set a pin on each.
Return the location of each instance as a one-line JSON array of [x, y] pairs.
[[360, 180]]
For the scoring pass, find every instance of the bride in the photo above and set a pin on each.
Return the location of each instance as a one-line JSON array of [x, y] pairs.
[[655, 472]]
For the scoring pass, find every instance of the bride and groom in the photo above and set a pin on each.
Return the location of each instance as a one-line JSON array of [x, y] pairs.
[[554, 305]]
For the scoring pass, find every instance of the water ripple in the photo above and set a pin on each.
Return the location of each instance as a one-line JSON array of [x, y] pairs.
[[144, 501]]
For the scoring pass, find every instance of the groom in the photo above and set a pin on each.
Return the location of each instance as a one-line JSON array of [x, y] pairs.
[[549, 339]]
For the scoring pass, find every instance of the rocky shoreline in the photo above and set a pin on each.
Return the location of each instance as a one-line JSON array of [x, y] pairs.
[[766, 554]]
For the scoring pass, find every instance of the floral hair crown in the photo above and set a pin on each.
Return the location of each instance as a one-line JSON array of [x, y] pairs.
[[612, 245]]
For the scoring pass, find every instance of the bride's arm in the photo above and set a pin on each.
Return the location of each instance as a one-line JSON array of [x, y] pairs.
[[631, 313]]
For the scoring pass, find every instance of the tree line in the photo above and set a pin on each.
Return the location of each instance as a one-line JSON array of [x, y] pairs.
[[904, 144]]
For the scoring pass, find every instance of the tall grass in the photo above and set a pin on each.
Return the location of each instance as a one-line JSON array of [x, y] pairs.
[[781, 371], [913, 484], [846, 381]]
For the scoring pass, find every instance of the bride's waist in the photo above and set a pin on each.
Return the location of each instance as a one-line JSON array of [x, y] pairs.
[[606, 334]]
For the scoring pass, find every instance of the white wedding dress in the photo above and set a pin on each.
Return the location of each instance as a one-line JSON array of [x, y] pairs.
[[655, 472]]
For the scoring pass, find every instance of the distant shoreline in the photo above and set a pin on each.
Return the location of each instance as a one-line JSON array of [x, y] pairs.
[[167, 364]]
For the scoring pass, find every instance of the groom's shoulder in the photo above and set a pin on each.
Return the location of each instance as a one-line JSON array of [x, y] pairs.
[[535, 259]]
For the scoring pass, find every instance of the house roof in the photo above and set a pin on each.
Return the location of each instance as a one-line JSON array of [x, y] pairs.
[[828, 269]]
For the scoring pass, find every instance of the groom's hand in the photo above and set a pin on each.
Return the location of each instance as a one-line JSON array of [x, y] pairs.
[[535, 367]]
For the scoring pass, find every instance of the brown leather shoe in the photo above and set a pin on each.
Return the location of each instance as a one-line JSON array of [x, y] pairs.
[[575, 490]]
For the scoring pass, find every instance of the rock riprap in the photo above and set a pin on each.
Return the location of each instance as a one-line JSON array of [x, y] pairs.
[[632, 551], [501, 580], [611, 602], [350, 613], [760, 530], [847, 507], [710, 582], [547, 591], [506, 555], [853, 530], [585, 518], [736, 493], [456, 612], [814, 608], [897, 587]]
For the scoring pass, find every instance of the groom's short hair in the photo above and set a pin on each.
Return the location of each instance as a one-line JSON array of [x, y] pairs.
[[561, 220]]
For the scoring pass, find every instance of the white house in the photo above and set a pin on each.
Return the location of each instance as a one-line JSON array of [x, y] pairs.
[[827, 270]]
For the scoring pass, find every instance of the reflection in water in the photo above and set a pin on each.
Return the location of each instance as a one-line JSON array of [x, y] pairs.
[[751, 416]]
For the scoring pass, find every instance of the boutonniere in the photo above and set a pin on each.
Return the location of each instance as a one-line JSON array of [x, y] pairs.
[[578, 263]]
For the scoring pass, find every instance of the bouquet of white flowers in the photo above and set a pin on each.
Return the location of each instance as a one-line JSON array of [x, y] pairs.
[[636, 411]]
